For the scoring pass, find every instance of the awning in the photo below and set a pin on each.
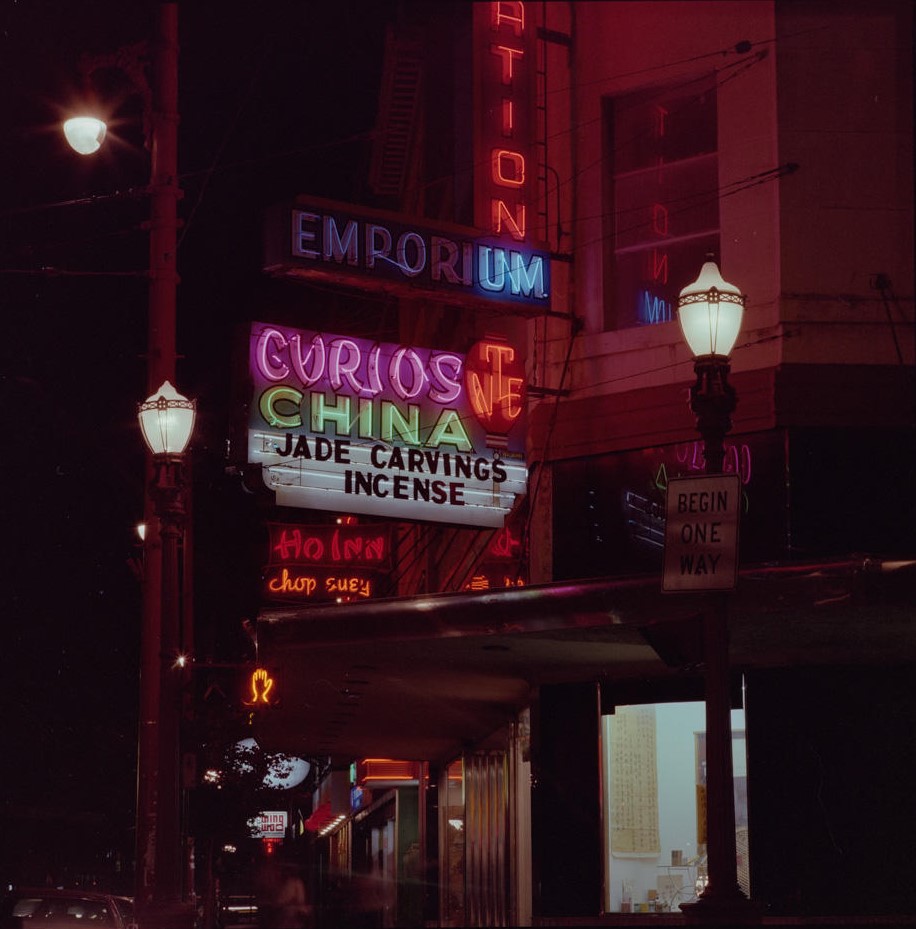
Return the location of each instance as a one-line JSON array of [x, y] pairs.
[[320, 818], [422, 678]]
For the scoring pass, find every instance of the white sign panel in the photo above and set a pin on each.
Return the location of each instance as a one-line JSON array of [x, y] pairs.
[[269, 825], [701, 533], [345, 424]]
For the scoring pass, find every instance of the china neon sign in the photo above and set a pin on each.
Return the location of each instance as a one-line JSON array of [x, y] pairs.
[[354, 426]]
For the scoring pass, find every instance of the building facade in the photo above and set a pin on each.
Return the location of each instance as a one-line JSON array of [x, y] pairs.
[[521, 704]]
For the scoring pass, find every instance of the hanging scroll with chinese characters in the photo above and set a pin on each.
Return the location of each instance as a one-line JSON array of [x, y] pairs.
[[634, 783]]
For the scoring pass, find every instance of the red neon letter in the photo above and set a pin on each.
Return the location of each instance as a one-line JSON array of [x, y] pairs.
[[659, 266], [659, 219], [515, 15], [508, 55], [500, 389], [515, 224], [508, 117], [515, 159]]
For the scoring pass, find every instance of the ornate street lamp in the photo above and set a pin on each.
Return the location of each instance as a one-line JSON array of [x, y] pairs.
[[166, 421], [710, 311], [85, 134]]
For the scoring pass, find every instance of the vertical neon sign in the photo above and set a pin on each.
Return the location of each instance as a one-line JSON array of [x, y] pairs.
[[504, 165]]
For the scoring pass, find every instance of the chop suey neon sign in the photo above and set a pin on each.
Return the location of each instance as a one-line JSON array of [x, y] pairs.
[[355, 426]]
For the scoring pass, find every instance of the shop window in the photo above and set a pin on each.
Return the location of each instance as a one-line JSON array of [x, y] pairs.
[[654, 773], [663, 214]]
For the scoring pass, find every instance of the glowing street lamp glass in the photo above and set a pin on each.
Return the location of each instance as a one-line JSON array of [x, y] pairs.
[[85, 134], [710, 312], [166, 420]]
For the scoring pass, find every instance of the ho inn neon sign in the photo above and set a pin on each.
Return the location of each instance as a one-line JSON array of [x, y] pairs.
[[381, 429]]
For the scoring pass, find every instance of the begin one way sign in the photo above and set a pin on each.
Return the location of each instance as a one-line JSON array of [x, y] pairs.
[[701, 533]]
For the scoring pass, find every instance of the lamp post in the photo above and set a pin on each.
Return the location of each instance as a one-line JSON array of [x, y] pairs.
[[166, 420], [710, 311], [159, 93]]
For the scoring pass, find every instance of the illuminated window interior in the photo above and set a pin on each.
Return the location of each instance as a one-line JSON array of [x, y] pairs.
[[654, 783]]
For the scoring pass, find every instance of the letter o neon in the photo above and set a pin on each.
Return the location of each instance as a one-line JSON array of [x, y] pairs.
[[516, 160], [411, 270], [394, 373]]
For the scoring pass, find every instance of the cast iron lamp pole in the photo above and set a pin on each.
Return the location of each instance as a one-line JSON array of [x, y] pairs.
[[710, 312], [86, 134], [167, 420]]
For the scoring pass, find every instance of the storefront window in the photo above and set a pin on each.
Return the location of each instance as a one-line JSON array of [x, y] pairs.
[[654, 772], [664, 193]]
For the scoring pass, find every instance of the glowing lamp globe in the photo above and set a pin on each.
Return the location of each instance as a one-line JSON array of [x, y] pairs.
[[710, 311], [166, 420], [85, 134]]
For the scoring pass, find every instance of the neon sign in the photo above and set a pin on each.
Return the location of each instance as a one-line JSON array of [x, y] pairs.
[[505, 167], [355, 546], [389, 430], [484, 581], [324, 239], [294, 584], [653, 309], [261, 684]]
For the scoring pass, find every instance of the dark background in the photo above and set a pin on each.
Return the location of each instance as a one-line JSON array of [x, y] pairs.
[[273, 103]]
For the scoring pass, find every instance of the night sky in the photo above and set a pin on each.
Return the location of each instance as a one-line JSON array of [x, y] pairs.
[[274, 101]]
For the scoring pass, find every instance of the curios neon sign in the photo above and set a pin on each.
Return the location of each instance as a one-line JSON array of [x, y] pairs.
[[382, 429]]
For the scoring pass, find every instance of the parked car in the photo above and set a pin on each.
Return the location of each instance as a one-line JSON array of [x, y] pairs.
[[57, 908]]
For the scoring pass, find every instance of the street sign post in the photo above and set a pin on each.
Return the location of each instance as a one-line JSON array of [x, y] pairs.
[[701, 533]]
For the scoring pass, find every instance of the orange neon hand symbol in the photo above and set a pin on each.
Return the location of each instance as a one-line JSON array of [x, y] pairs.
[[261, 684]]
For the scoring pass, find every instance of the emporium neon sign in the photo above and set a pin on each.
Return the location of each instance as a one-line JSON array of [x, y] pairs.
[[324, 239], [355, 426]]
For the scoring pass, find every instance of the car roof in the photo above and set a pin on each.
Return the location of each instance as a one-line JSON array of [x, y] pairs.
[[86, 894]]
